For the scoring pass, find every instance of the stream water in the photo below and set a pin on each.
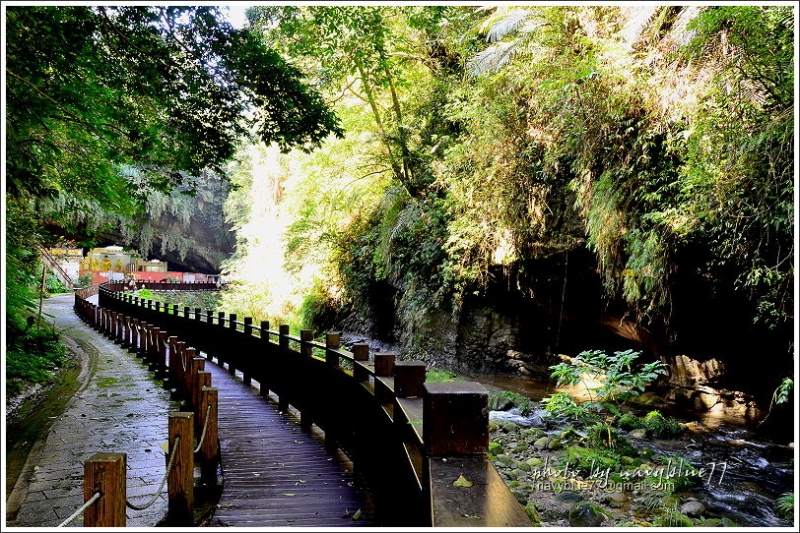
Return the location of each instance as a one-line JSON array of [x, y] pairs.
[[749, 472]]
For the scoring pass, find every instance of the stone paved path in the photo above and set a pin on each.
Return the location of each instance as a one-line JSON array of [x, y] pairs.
[[120, 408]]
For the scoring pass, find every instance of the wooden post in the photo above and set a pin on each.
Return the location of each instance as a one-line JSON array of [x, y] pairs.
[[409, 378], [134, 347], [105, 473], [198, 364], [112, 330], [360, 353], [331, 347], [180, 372], [172, 376], [142, 340], [209, 448], [203, 380], [186, 312], [152, 349], [220, 318], [209, 316], [175, 309], [197, 313], [180, 479], [384, 368], [306, 336], [384, 364], [126, 332], [188, 356], [283, 342], [161, 365], [247, 377], [455, 419], [262, 377], [332, 340]]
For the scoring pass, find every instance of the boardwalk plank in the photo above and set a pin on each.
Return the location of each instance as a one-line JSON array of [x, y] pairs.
[[267, 456]]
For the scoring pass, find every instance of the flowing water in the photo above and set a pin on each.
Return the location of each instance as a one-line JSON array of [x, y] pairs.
[[745, 473]]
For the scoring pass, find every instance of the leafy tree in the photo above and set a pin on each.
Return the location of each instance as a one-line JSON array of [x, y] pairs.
[[364, 52], [168, 91]]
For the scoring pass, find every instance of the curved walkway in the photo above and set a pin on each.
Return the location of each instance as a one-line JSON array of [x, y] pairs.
[[275, 474], [120, 408]]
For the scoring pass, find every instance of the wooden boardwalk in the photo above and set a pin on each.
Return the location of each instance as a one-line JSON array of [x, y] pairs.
[[275, 473]]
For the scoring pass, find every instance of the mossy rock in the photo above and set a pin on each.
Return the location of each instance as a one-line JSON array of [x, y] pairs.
[[587, 514], [532, 434], [521, 497], [727, 522], [533, 514], [513, 484], [535, 461], [646, 454], [569, 435], [516, 473], [524, 466], [509, 427], [505, 460], [639, 433], [493, 426], [541, 444], [710, 522], [495, 448], [555, 444], [630, 461], [521, 448], [624, 447]]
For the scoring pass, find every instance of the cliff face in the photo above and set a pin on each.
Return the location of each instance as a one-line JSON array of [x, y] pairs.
[[187, 231]]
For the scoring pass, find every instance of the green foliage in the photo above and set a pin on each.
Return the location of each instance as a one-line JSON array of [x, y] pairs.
[[660, 426], [84, 281], [784, 505], [144, 294], [32, 354], [629, 421], [524, 404], [492, 137], [319, 309], [618, 382], [437, 375], [672, 517], [588, 460], [782, 392], [93, 92], [53, 285]]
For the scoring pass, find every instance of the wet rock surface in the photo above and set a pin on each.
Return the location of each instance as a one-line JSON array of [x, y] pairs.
[[119, 408]]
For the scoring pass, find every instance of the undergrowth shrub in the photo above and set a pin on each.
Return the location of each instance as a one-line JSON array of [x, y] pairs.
[[32, 355]]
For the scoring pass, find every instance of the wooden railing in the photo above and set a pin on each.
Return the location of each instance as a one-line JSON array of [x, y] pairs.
[[408, 440]]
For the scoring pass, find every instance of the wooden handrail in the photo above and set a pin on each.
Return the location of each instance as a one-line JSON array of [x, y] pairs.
[[402, 435]]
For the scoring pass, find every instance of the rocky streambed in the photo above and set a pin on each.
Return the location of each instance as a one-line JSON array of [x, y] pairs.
[[706, 478]]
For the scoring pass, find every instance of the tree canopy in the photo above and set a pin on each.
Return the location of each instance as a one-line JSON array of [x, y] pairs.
[[165, 93], [657, 140]]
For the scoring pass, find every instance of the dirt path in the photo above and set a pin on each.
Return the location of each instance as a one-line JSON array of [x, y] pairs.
[[119, 407]]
